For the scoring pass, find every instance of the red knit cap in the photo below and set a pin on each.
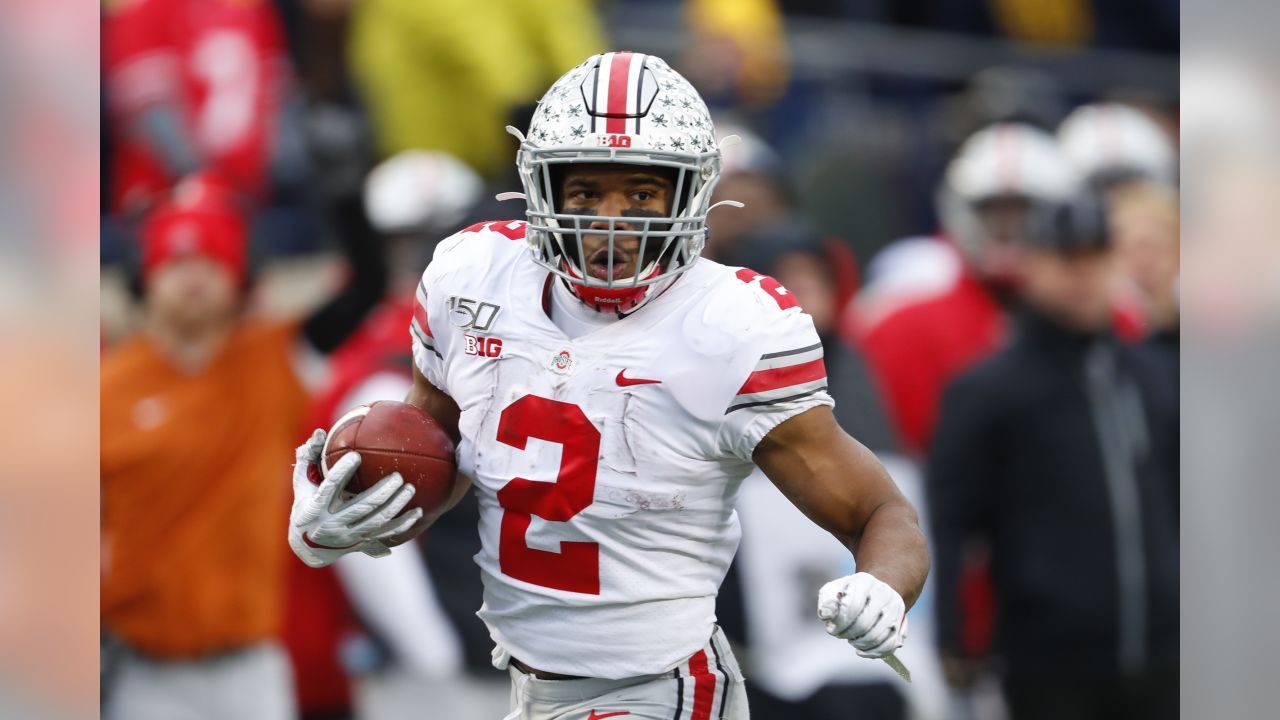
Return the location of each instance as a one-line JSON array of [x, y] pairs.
[[201, 218]]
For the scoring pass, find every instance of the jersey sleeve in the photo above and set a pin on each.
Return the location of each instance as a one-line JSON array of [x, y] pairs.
[[463, 256], [427, 355], [785, 376]]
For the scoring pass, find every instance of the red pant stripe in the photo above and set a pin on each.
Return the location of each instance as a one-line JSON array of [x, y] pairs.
[[704, 686]]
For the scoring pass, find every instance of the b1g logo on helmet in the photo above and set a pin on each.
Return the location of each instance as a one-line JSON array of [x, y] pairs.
[[615, 141]]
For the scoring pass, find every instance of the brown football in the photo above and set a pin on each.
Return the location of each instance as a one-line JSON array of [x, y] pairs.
[[393, 436]]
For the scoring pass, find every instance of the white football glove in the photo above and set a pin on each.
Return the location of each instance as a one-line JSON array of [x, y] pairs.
[[868, 613], [320, 532]]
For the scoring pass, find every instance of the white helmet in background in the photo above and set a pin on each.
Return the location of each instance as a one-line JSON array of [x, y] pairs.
[[418, 190], [1109, 141], [625, 108], [1002, 163]]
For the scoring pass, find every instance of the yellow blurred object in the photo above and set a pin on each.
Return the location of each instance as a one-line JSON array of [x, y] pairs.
[[1048, 22], [445, 74], [753, 31]]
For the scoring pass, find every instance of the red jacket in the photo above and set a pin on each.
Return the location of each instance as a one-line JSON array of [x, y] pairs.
[[917, 348]]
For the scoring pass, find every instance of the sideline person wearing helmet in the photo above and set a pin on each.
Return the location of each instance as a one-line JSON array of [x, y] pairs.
[[934, 305], [609, 391]]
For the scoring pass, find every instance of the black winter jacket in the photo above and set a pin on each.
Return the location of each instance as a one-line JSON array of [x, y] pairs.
[[1073, 483]]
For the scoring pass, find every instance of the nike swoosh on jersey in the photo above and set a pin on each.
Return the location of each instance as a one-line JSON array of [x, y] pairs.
[[624, 381], [601, 716]]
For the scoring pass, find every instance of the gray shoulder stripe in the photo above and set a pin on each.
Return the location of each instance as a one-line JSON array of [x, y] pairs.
[[775, 402], [814, 346], [425, 341]]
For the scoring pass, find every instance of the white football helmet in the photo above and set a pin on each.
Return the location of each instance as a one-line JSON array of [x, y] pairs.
[[1109, 141], [419, 189], [1004, 160], [619, 107]]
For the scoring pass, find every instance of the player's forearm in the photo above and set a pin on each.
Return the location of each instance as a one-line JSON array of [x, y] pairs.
[[892, 547]]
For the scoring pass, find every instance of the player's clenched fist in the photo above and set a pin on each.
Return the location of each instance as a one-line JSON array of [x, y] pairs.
[[866, 612], [319, 533]]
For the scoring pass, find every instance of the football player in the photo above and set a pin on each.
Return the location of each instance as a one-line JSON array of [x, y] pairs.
[[609, 391], [935, 305]]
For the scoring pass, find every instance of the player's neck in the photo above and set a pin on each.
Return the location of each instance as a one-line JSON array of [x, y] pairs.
[[572, 316]]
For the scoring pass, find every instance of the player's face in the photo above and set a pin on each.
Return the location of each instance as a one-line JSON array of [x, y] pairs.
[[616, 191], [192, 292], [1146, 237], [1005, 223]]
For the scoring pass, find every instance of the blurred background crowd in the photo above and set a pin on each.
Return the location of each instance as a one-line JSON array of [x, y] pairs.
[[976, 200]]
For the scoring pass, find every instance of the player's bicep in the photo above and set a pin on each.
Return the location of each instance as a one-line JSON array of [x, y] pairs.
[[833, 479], [436, 403]]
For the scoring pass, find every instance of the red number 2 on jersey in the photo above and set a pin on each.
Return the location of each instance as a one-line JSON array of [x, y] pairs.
[[510, 229], [772, 288], [576, 568]]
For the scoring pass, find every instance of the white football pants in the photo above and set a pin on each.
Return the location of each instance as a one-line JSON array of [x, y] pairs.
[[706, 686], [251, 684]]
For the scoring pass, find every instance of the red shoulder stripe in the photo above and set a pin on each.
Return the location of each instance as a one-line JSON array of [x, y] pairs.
[[775, 378]]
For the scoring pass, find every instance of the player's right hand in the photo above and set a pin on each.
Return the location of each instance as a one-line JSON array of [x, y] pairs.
[[868, 613], [319, 533]]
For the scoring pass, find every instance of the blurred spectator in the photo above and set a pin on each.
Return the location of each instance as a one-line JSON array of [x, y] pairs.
[[934, 305], [192, 85], [751, 177], [1110, 143], [1148, 24], [736, 54], [1061, 453], [197, 412], [446, 75], [810, 274], [768, 224], [1145, 225]]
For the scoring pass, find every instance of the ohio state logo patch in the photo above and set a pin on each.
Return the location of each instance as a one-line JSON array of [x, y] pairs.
[[562, 362]]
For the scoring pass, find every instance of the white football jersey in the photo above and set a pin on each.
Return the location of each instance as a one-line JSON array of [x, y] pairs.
[[607, 467]]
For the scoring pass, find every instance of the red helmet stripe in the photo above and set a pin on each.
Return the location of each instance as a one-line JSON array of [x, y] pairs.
[[616, 109], [1009, 145]]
